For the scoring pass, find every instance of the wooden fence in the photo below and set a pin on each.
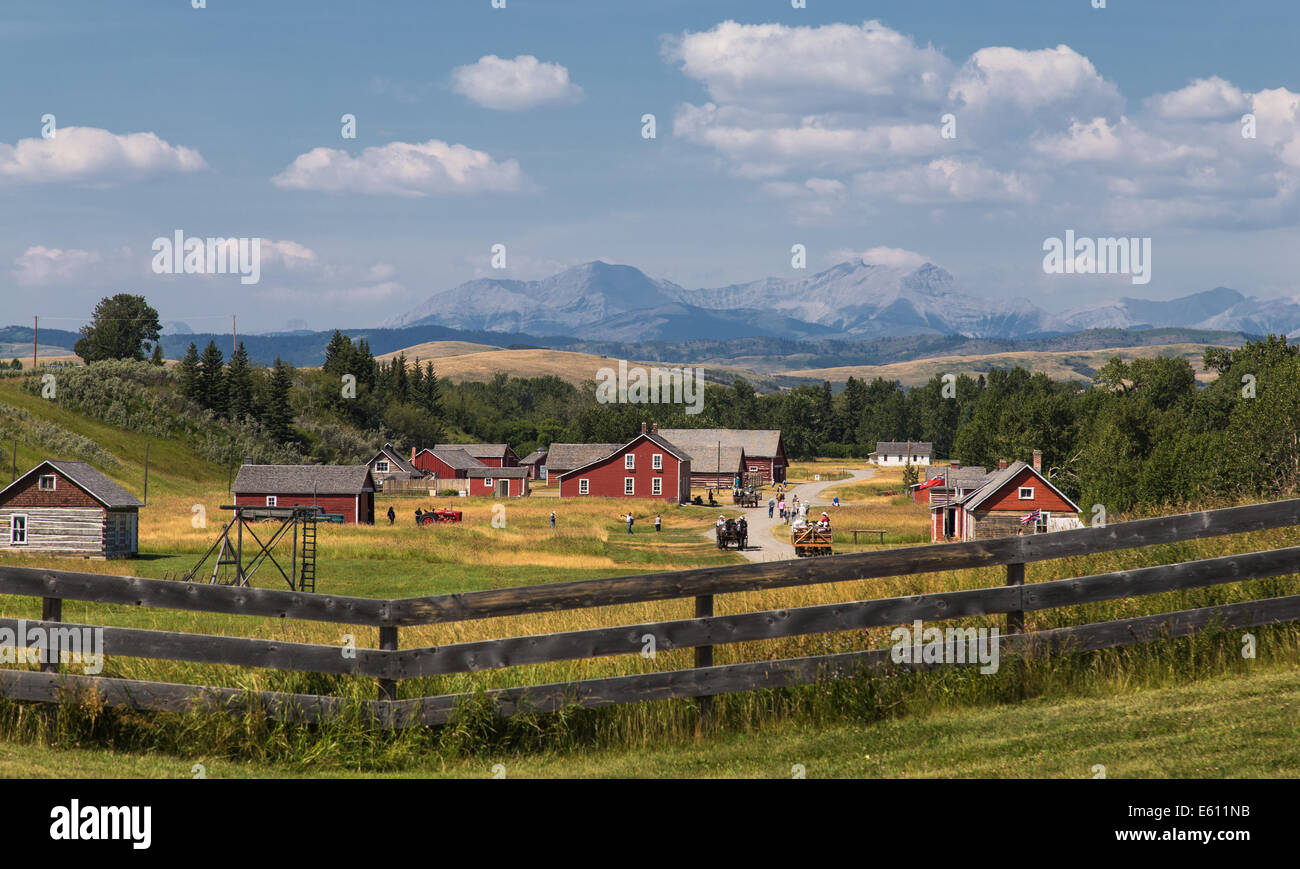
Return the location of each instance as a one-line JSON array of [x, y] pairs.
[[388, 663]]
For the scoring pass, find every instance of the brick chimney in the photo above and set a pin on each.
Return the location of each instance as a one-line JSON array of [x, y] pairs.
[[1038, 461], [642, 428], [413, 455], [1002, 464], [954, 464]]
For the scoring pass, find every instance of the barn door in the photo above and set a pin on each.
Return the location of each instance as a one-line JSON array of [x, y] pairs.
[[503, 488]]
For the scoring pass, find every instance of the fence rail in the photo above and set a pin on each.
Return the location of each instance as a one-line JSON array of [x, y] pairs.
[[388, 664]]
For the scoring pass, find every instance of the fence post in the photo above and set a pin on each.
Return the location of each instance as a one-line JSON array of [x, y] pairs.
[[388, 643], [704, 658], [1016, 618], [51, 611]]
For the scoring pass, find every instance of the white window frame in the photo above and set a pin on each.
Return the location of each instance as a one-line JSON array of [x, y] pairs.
[[657, 462], [629, 485], [1041, 522], [657, 486], [753, 468], [629, 461], [1022, 496], [13, 529], [272, 500], [487, 481], [40, 482], [381, 467], [584, 486]]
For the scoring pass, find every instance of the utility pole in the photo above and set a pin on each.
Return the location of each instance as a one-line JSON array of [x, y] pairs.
[[36, 331], [234, 335], [146, 473]]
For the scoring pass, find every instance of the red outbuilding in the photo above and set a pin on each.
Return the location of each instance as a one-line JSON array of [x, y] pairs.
[[492, 455], [1016, 499], [447, 463], [345, 489], [500, 482], [649, 466]]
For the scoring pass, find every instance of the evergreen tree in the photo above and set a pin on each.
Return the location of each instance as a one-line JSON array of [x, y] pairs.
[[278, 413], [239, 386], [212, 379], [157, 357], [190, 375], [431, 395]]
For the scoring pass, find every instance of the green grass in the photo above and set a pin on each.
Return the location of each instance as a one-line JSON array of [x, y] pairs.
[[1233, 726]]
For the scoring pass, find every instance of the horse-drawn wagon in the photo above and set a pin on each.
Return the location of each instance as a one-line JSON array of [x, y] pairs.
[[733, 534], [746, 497], [811, 540]]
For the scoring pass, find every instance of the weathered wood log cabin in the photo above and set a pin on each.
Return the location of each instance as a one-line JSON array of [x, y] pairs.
[[69, 508]]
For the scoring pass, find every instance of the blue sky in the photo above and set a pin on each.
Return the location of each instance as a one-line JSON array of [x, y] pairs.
[[776, 126]]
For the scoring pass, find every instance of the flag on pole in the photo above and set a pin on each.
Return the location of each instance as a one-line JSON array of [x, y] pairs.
[[1030, 517]]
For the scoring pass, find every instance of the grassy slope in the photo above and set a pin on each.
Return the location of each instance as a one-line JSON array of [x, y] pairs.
[[1058, 365], [1231, 726]]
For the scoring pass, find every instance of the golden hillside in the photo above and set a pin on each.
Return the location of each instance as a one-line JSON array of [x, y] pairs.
[[1058, 365]]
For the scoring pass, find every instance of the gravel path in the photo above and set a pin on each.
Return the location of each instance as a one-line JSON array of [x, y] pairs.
[[763, 546]]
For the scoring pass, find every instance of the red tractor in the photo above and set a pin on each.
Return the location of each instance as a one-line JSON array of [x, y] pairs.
[[440, 516]]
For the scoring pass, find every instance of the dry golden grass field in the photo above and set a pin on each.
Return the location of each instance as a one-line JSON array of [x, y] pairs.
[[1058, 365]]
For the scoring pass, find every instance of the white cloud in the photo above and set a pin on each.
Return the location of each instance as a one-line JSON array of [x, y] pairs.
[[1123, 142], [402, 169], [40, 266], [946, 180], [894, 258], [775, 67], [1204, 99], [511, 85], [1004, 78], [92, 155]]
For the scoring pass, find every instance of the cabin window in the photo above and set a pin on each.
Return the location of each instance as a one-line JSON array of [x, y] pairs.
[[18, 529], [657, 461], [46, 483], [657, 486], [629, 485], [1026, 493], [1040, 524], [629, 461], [271, 500], [753, 467], [487, 481], [381, 467], [584, 487]]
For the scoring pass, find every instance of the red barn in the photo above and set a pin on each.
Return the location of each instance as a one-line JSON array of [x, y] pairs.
[[647, 467], [562, 458], [492, 455], [764, 451], [447, 463], [996, 509], [501, 482], [345, 489]]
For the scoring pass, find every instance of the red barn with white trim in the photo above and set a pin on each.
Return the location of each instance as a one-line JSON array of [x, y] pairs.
[[648, 466], [996, 508], [345, 489]]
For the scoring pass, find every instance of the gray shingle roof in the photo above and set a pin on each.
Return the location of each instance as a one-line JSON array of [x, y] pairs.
[[566, 457], [919, 448], [302, 479], [535, 457], [478, 451], [390, 452], [502, 473], [999, 479], [98, 486], [706, 461], [757, 443], [456, 459]]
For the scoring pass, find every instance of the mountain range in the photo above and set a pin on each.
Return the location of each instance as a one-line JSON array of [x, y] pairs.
[[855, 299]]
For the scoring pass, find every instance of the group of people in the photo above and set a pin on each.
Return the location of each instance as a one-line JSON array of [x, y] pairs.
[[739, 526], [629, 519], [779, 506]]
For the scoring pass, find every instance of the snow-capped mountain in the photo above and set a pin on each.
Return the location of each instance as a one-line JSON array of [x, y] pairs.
[[616, 302]]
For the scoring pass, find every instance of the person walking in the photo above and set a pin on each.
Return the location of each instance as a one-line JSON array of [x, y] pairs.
[[771, 507], [629, 521], [392, 516], [658, 523], [552, 520]]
